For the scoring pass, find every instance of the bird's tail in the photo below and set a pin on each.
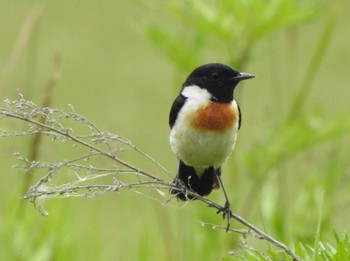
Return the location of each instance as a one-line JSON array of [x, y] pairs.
[[188, 180]]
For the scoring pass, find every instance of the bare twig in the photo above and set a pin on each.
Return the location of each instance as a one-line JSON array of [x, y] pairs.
[[91, 180]]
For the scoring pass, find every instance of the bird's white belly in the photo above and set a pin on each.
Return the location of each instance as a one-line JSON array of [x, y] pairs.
[[202, 149]]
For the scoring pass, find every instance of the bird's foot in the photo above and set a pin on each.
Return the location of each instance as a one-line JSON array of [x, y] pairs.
[[226, 213]]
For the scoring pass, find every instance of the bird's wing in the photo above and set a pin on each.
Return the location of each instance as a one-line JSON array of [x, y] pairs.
[[175, 108], [239, 116]]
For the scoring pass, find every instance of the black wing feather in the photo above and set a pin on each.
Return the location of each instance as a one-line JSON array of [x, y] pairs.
[[175, 108], [239, 116]]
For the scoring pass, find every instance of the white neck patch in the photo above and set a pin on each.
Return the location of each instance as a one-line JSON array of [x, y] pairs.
[[195, 92]]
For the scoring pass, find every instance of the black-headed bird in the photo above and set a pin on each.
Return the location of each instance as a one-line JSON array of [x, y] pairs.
[[204, 120]]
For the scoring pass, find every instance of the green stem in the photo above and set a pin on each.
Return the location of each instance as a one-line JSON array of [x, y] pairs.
[[313, 68]]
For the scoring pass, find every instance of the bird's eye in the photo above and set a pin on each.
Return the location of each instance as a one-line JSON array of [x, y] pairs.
[[215, 76]]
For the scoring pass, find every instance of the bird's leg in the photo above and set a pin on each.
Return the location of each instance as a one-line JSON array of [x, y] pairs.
[[227, 213]]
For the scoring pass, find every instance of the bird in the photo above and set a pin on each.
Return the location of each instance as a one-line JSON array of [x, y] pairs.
[[204, 120]]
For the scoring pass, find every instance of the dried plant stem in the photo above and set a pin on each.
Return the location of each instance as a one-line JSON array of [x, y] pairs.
[[27, 111], [260, 233], [46, 102], [66, 134], [22, 41]]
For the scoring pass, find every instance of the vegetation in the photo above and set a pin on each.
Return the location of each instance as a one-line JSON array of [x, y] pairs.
[[287, 174]]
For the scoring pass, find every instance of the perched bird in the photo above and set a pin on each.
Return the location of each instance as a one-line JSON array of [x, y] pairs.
[[204, 120]]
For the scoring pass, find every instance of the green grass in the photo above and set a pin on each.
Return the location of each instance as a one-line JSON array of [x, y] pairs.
[[288, 178]]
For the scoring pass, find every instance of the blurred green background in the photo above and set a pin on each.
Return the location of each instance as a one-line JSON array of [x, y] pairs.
[[121, 64]]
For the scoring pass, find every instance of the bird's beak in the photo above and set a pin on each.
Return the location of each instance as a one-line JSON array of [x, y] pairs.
[[244, 76]]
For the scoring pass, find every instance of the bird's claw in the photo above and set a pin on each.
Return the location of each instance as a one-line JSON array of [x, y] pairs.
[[226, 213]]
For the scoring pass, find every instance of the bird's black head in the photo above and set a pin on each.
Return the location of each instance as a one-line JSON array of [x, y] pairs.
[[219, 79]]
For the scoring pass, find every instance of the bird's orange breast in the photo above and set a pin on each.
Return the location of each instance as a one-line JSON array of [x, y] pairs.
[[215, 117]]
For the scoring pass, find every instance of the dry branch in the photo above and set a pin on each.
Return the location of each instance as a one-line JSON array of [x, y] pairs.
[[87, 178]]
